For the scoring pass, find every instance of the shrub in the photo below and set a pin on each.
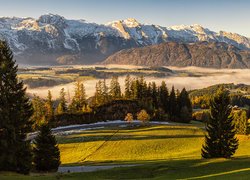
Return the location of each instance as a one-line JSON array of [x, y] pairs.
[[129, 118], [143, 116]]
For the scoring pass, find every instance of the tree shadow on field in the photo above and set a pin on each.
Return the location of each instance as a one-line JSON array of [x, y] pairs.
[[126, 131], [235, 168], [83, 139]]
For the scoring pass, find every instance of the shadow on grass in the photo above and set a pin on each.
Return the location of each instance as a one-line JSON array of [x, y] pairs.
[[137, 129], [179, 169], [124, 137]]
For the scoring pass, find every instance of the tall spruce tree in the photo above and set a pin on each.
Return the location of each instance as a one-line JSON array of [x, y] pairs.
[[49, 108], [220, 140], [15, 113], [172, 104], [38, 116], [154, 95], [127, 92], [184, 107], [62, 106], [79, 99], [164, 97], [115, 88], [46, 151], [134, 89], [105, 92], [98, 93]]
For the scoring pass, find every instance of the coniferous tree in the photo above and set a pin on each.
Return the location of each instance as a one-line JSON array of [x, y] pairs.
[[105, 92], [15, 113], [79, 99], [172, 104], [38, 116], [164, 97], [144, 90], [49, 109], [115, 88], [62, 106], [184, 107], [241, 122], [127, 92], [220, 140], [134, 89], [98, 93], [83, 101], [154, 96], [46, 151]]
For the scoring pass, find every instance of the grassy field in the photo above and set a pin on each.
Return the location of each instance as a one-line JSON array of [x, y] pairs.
[[163, 152], [131, 145]]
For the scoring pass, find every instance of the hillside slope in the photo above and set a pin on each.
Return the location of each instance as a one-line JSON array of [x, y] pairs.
[[201, 54]]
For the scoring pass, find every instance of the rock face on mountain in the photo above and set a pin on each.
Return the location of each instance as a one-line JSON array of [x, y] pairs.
[[52, 39], [201, 54]]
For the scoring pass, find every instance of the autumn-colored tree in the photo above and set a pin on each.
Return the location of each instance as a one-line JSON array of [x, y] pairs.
[[143, 116], [129, 118]]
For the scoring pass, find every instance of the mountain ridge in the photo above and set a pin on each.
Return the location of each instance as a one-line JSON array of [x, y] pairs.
[[53, 39], [200, 54]]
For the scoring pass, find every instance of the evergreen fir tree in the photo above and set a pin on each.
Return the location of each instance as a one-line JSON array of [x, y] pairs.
[[49, 114], [240, 122], [98, 94], [38, 116], [115, 89], [141, 91], [46, 151], [149, 90], [134, 89], [164, 97], [15, 113], [220, 140], [184, 107], [105, 92], [79, 99], [127, 92], [83, 96], [172, 104], [144, 90], [154, 96], [62, 106]]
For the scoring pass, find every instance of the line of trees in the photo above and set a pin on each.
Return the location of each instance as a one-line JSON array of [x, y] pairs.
[[156, 100]]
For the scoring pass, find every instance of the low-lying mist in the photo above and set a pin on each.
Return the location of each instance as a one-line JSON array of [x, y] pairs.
[[200, 78]]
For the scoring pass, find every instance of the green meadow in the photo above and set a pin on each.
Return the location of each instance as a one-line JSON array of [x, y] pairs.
[[159, 152]]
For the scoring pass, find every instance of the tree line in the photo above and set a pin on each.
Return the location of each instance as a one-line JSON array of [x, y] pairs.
[[159, 103]]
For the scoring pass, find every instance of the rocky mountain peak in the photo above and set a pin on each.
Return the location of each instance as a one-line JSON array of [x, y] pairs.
[[52, 19], [131, 22]]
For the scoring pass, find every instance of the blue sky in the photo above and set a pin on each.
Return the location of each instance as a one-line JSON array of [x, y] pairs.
[[228, 15]]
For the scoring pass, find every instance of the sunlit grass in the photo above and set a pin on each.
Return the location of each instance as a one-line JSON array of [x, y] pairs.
[[162, 152], [128, 145]]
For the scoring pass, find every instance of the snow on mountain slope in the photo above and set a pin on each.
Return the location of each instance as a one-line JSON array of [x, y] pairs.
[[52, 36]]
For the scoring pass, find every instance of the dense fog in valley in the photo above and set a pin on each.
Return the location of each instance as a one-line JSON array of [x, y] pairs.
[[201, 77]]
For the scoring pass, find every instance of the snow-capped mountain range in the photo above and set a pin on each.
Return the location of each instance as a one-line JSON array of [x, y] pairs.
[[52, 39]]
